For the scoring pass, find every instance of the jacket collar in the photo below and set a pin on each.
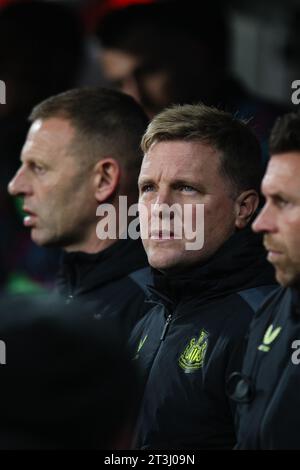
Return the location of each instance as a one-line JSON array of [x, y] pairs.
[[82, 271], [295, 300], [239, 264]]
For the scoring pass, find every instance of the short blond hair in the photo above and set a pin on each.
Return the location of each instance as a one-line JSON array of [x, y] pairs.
[[239, 148]]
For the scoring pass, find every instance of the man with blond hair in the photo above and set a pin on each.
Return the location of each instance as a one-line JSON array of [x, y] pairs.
[[204, 295]]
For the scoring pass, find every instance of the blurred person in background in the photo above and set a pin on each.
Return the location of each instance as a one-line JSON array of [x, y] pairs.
[[178, 52]]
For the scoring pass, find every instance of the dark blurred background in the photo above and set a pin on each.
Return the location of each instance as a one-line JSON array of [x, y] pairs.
[[239, 55]]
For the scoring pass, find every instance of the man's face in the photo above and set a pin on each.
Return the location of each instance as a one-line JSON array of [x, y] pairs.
[[280, 216], [183, 173], [127, 73], [57, 190]]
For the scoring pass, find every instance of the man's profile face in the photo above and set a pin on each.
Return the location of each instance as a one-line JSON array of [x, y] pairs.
[[57, 190], [280, 216], [179, 172]]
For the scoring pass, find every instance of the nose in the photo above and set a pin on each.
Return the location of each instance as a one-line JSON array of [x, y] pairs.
[[265, 221], [161, 206], [19, 185]]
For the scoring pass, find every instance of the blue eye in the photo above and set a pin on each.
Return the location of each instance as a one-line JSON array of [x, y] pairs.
[[187, 188], [147, 188], [38, 169], [280, 202]]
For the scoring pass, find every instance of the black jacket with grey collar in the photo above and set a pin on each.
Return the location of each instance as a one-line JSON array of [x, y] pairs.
[[268, 395], [191, 340]]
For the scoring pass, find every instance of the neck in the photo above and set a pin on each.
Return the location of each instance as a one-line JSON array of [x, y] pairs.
[[92, 244], [90, 241]]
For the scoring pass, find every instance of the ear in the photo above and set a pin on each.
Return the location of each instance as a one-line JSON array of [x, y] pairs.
[[245, 206], [106, 178]]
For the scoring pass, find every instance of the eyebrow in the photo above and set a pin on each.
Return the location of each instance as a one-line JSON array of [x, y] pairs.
[[276, 194], [188, 182], [142, 181], [176, 182], [29, 160], [33, 161]]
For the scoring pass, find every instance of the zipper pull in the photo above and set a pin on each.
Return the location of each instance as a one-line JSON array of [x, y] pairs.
[[69, 299], [166, 327]]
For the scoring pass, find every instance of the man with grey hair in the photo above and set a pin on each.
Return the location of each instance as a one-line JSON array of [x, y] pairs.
[[203, 300], [83, 150]]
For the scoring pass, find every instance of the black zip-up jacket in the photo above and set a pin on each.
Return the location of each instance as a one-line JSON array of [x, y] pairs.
[[268, 414], [189, 342], [112, 281]]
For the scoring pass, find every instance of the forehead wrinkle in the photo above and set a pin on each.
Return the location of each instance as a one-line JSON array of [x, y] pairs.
[[197, 154], [42, 139], [280, 176]]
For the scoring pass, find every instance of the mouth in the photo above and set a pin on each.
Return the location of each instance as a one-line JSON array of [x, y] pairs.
[[273, 255], [272, 249]]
